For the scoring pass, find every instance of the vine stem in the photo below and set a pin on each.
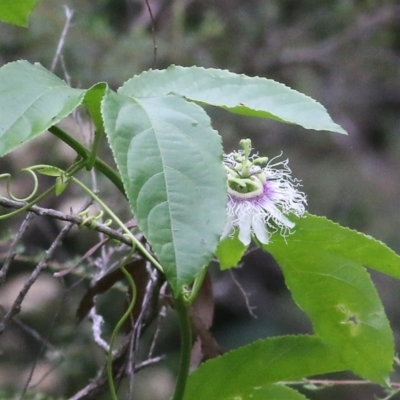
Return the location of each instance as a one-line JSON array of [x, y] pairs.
[[186, 347], [118, 327], [198, 282], [135, 242], [28, 205], [85, 153]]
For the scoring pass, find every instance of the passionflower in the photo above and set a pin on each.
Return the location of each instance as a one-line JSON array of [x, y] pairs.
[[261, 194]]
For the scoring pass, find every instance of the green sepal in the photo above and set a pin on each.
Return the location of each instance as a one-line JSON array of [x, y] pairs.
[[230, 251]]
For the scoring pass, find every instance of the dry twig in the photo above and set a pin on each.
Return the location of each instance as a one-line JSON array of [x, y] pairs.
[[75, 219], [12, 251], [68, 17], [16, 307]]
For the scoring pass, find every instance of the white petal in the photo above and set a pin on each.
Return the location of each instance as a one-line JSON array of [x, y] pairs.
[[260, 230], [245, 229], [277, 215], [228, 228]]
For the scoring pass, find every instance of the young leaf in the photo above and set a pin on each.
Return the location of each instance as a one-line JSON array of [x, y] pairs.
[[92, 102], [50, 171], [170, 160], [16, 11], [322, 263], [259, 364], [31, 100], [240, 94]]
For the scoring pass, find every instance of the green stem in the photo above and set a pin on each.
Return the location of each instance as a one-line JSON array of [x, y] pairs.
[[196, 287], [99, 164], [186, 347], [118, 327], [135, 242], [95, 147]]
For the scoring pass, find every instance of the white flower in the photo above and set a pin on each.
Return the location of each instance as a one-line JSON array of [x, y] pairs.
[[260, 195]]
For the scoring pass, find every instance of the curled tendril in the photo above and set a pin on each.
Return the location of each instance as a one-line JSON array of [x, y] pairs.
[[31, 200], [33, 192], [92, 220]]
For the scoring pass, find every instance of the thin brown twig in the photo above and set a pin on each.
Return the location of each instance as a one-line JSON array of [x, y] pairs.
[[68, 17], [161, 316], [244, 294], [99, 384], [16, 307], [153, 33], [75, 219], [44, 376], [149, 361], [364, 27], [138, 324], [30, 331], [27, 385], [12, 251]]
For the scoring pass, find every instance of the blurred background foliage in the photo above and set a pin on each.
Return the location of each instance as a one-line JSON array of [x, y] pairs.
[[343, 53]]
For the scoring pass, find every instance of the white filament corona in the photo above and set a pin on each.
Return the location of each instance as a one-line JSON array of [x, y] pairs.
[[260, 198]]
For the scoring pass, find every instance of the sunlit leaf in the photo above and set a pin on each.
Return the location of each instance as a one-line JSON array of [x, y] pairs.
[[170, 160], [230, 251], [322, 263], [31, 100], [259, 364], [269, 392], [240, 94], [16, 11]]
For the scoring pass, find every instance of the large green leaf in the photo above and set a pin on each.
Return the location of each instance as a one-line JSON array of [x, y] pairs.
[[16, 11], [31, 100], [170, 160], [322, 263], [259, 364], [241, 94]]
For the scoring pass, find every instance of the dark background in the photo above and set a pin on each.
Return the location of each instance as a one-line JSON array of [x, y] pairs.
[[345, 54]]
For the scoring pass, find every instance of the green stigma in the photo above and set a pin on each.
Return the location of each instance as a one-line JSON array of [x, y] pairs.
[[246, 177]]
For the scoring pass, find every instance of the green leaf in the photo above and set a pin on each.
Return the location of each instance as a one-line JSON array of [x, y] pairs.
[[16, 11], [259, 364], [240, 94], [49, 170], [230, 251], [60, 185], [270, 392], [92, 102], [31, 100], [170, 160], [322, 263]]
